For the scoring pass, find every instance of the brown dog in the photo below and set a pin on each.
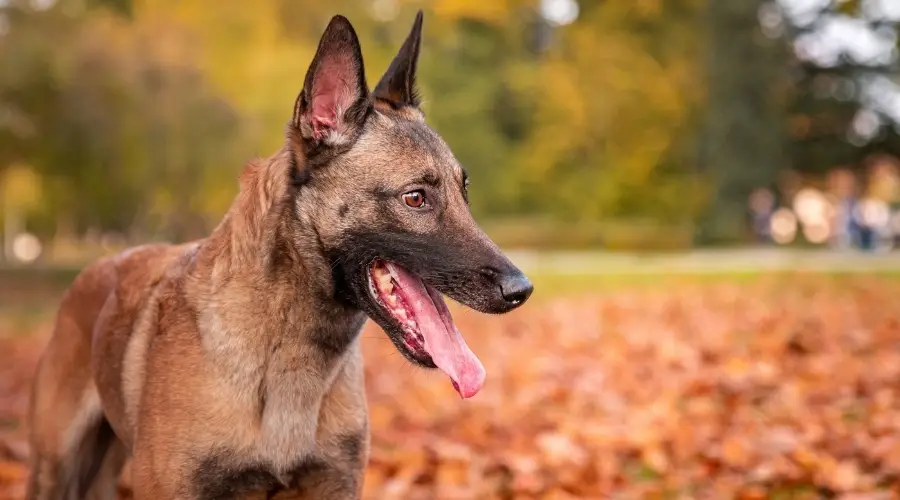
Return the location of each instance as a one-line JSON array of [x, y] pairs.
[[231, 367]]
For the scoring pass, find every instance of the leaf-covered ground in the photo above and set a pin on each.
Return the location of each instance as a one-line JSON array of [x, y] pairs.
[[781, 387]]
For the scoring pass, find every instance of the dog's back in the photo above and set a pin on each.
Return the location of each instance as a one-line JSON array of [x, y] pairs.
[[94, 323]]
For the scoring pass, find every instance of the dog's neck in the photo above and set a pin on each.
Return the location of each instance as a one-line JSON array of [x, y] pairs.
[[275, 336], [246, 242], [261, 240], [265, 276]]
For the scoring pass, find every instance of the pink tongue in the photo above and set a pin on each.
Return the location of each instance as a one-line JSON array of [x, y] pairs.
[[442, 340]]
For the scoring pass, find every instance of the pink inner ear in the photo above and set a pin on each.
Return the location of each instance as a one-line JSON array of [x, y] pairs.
[[321, 127], [332, 94]]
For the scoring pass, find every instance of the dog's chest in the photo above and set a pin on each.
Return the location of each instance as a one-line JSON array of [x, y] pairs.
[[291, 410], [295, 450], [297, 413], [288, 427], [299, 443]]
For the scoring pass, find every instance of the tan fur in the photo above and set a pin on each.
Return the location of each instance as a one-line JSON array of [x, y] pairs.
[[191, 345]]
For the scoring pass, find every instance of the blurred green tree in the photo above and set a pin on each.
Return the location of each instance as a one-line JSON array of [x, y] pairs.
[[744, 142]]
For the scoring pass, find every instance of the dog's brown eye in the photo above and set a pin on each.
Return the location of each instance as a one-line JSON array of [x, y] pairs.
[[414, 199]]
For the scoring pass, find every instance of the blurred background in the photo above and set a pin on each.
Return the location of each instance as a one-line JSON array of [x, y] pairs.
[[705, 192]]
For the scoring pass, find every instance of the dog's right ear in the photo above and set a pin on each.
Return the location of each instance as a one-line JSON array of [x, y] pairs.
[[333, 104]]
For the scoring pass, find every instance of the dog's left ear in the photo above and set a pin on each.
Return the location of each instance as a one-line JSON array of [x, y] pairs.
[[398, 85], [332, 106]]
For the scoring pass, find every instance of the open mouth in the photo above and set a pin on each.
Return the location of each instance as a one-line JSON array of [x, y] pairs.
[[428, 333]]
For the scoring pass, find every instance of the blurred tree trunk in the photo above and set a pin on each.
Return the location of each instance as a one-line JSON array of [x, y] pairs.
[[744, 142], [5, 225]]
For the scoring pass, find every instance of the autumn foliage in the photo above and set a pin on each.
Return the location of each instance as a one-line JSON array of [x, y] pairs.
[[783, 387]]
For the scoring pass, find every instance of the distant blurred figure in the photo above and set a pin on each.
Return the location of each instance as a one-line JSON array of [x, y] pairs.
[[883, 198], [842, 187], [762, 206]]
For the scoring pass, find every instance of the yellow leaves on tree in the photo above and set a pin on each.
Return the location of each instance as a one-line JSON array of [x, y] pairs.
[[20, 189], [612, 105], [495, 11]]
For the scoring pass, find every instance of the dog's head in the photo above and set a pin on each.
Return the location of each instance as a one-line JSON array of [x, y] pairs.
[[389, 204]]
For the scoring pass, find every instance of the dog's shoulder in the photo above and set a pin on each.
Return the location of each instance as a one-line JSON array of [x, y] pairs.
[[140, 276], [128, 323]]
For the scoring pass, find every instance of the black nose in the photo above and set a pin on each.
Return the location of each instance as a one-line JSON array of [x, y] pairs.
[[515, 288]]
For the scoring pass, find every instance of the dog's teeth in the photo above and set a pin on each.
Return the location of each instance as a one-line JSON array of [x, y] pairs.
[[412, 323], [401, 313], [384, 282], [392, 300]]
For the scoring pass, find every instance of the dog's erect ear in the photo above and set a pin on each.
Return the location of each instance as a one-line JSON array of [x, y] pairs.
[[398, 85], [333, 103]]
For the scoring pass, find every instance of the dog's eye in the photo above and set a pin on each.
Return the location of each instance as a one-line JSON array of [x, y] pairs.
[[414, 199]]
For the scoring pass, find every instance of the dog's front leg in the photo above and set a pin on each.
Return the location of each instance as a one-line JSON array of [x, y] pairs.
[[148, 486], [157, 475]]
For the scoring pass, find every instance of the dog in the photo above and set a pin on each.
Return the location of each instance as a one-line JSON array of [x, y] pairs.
[[230, 367]]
